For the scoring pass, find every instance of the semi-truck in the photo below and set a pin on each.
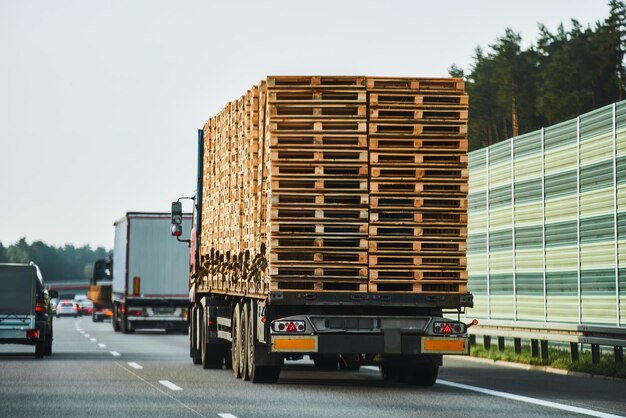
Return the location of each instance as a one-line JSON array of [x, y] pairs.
[[149, 286], [330, 221], [25, 307], [100, 290]]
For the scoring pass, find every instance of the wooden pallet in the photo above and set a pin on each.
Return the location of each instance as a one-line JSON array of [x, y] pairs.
[[299, 126], [318, 111], [418, 287], [329, 200], [305, 258], [404, 202], [393, 186], [417, 246], [413, 144], [412, 99], [447, 159], [405, 230], [323, 156], [391, 128], [317, 170], [415, 84], [295, 95], [409, 260], [318, 286], [427, 218], [319, 141], [305, 185], [406, 274], [298, 272], [327, 243], [416, 115], [312, 214], [332, 82], [317, 227]]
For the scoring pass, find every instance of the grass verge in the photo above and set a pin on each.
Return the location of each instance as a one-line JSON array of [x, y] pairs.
[[557, 358]]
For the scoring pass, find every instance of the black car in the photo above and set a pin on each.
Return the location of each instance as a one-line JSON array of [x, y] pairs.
[[25, 308]]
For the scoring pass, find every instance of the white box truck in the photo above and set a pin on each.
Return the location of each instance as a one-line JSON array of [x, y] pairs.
[[150, 274]]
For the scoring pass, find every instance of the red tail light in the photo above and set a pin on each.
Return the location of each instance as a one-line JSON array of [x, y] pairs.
[[32, 334], [40, 307]]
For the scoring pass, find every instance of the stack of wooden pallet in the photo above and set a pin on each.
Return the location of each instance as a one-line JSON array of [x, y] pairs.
[[337, 184], [418, 185], [317, 183]]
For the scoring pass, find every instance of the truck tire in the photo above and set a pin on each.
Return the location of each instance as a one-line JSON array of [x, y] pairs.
[[48, 344], [390, 372], [194, 338], [326, 363], [40, 349], [243, 340], [235, 335], [421, 375], [115, 320]]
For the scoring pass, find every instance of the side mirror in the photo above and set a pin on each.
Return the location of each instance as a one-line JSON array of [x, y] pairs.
[[177, 214], [177, 230], [53, 294]]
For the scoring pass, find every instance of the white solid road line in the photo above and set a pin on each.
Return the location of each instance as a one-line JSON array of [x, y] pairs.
[[170, 385], [135, 365], [115, 353], [227, 415], [102, 345], [527, 399]]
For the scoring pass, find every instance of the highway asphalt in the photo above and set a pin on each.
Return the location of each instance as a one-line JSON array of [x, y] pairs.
[[95, 372]]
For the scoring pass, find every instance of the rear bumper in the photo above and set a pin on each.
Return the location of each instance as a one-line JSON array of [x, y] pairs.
[[157, 323], [358, 343], [18, 336]]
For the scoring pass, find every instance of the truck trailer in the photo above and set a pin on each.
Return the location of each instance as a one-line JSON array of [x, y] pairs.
[[100, 290], [149, 287], [330, 221]]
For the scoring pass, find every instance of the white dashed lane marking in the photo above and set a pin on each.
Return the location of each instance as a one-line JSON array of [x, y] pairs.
[[102, 345], [115, 353], [135, 365], [170, 385]]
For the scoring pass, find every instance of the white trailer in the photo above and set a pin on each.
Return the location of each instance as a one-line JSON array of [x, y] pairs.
[[150, 274]]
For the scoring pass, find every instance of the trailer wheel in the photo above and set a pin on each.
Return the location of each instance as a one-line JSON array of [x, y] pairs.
[[48, 345], [390, 372], [421, 375], [235, 338], [194, 337], [244, 342], [326, 363], [40, 349], [115, 320]]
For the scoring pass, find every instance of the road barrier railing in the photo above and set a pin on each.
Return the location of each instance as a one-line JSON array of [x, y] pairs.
[[540, 333]]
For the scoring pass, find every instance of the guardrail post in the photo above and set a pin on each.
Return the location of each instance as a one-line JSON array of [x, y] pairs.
[[517, 343], [544, 351], [595, 353], [573, 349], [534, 348], [619, 355], [501, 344], [487, 342]]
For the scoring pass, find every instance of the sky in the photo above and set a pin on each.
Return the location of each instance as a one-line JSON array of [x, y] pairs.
[[101, 100]]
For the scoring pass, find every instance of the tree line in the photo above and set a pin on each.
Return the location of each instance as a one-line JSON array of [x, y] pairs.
[[562, 75], [57, 264]]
